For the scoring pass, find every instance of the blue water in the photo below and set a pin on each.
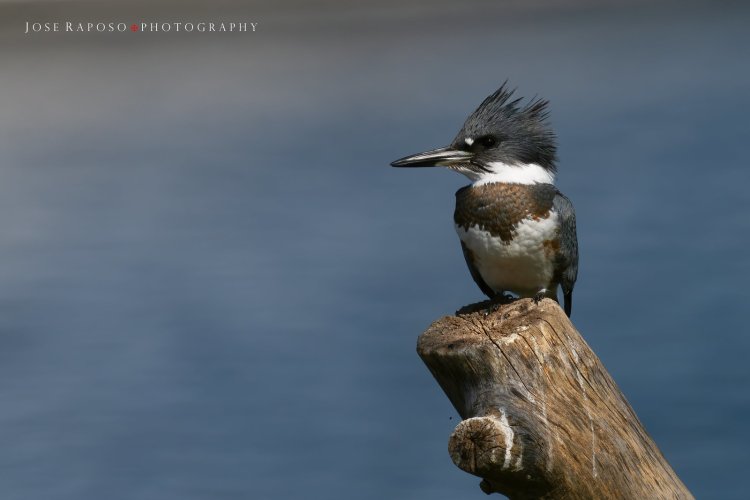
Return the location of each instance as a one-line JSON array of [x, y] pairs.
[[211, 282]]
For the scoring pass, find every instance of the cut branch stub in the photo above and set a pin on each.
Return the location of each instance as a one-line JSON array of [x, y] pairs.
[[543, 418]]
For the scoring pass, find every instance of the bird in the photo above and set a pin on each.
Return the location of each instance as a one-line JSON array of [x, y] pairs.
[[517, 230]]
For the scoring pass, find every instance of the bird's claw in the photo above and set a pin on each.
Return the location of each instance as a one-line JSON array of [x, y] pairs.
[[492, 308], [539, 296], [498, 300]]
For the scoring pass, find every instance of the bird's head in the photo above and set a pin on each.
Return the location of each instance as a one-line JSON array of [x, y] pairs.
[[502, 141]]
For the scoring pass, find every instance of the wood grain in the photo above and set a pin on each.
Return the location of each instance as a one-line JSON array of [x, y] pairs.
[[542, 417]]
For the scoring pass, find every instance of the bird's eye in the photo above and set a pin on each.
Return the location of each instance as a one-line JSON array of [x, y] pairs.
[[487, 141]]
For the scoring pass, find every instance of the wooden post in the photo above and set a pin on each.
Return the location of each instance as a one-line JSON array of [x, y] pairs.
[[542, 417]]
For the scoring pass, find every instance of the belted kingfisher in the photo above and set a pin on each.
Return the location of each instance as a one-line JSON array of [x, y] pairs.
[[517, 231]]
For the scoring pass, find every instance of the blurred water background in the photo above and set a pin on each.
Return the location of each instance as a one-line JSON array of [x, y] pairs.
[[211, 282]]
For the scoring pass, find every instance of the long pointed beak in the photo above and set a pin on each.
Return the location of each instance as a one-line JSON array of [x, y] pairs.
[[435, 158]]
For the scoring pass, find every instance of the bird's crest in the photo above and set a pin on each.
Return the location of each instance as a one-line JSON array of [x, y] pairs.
[[499, 105], [525, 127]]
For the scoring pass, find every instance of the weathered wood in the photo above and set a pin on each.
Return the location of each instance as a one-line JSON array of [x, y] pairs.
[[542, 417]]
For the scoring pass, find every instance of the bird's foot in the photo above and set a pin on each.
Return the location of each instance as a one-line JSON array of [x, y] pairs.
[[489, 306], [540, 295], [492, 307], [500, 299]]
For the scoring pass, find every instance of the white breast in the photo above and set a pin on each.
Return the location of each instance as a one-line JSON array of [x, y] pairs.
[[524, 265]]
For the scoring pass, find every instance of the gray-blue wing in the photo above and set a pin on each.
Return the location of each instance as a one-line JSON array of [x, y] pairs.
[[567, 258]]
